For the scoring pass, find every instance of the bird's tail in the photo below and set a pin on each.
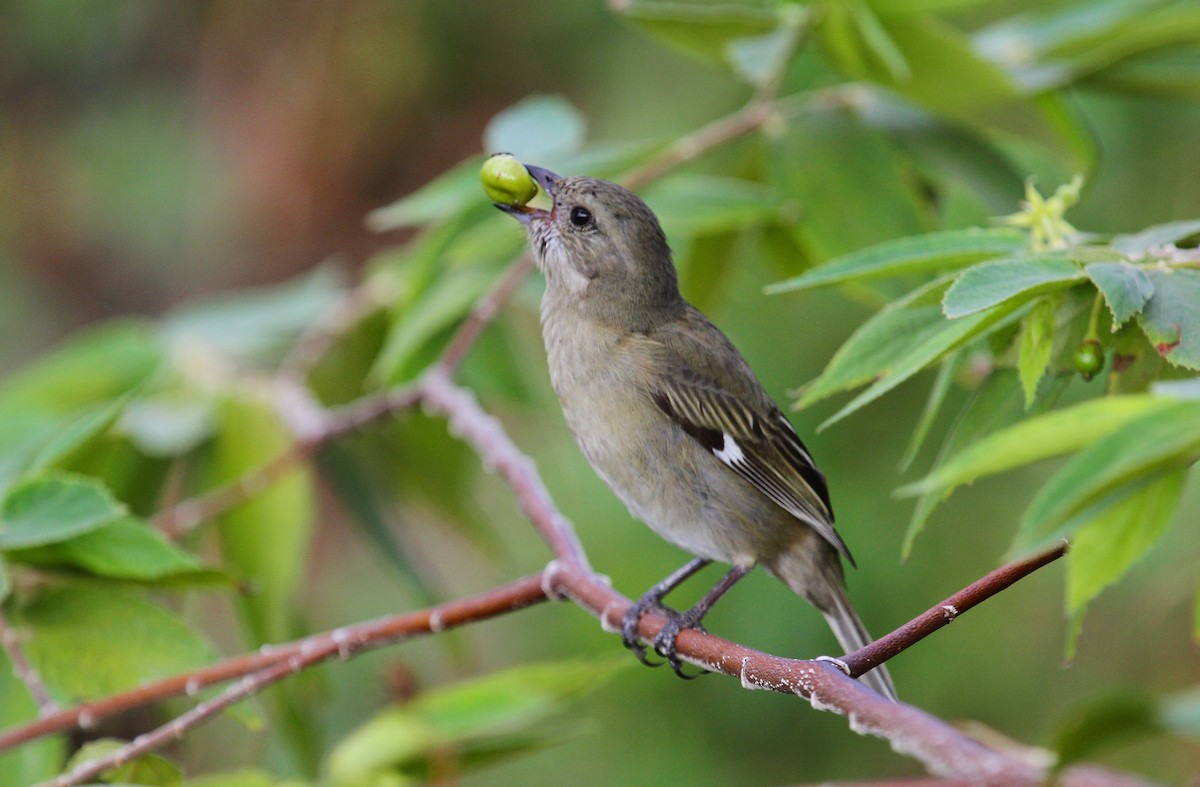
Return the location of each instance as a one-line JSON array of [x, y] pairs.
[[816, 574]]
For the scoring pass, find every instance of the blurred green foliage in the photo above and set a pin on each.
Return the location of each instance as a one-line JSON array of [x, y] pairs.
[[151, 153]]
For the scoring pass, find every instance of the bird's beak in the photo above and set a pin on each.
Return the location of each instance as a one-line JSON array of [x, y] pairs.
[[548, 182]]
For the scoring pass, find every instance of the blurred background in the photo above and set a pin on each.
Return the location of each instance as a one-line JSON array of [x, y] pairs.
[[151, 153]]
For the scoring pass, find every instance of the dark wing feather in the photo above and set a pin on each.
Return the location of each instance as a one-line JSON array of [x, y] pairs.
[[762, 448]]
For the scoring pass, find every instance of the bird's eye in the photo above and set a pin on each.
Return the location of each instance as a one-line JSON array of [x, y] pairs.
[[580, 216]]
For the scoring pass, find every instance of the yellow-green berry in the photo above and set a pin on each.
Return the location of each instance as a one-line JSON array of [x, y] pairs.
[[506, 181]]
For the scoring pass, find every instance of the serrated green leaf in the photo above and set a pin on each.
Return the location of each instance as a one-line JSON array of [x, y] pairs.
[[255, 325], [1037, 344], [127, 548], [537, 130], [917, 254], [1137, 244], [151, 770], [88, 641], [1117, 534], [488, 715], [702, 31], [931, 346], [1161, 440], [265, 538], [1042, 437], [1126, 288], [992, 283], [53, 507], [92, 368], [1171, 319]]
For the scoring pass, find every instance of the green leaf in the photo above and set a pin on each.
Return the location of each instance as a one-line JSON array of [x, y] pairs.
[[872, 349], [928, 348], [247, 777], [702, 31], [1114, 537], [35, 761], [756, 59], [1037, 344], [1171, 319], [1042, 437], [850, 181], [1126, 288], [933, 405], [934, 251], [1164, 439], [127, 548], [168, 424], [54, 507], [265, 538], [151, 770], [689, 204], [88, 641], [446, 302], [993, 283], [537, 130], [94, 367], [478, 721], [994, 404], [1148, 240], [255, 325], [441, 198]]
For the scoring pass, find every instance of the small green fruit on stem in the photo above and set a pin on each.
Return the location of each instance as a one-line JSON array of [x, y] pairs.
[[506, 181], [1089, 359]]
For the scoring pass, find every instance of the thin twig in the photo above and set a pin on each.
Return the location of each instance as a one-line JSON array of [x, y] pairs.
[[483, 432], [701, 141], [943, 614], [339, 643], [343, 641], [10, 640], [483, 313]]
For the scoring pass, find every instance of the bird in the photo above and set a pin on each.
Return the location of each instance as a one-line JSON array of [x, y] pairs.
[[672, 418]]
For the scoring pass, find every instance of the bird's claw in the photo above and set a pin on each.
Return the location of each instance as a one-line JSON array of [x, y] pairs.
[[664, 643], [629, 626]]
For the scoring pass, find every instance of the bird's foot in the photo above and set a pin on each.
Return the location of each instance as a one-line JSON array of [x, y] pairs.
[[651, 602], [664, 643]]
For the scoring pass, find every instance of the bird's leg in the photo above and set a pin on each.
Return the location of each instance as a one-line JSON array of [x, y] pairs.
[[652, 600], [664, 643]]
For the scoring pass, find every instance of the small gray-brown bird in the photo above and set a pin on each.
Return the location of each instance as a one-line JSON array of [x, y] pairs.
[[671, 416]]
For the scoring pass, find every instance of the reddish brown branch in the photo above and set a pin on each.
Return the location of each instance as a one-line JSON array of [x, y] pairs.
[[882, 649], [344, 641]]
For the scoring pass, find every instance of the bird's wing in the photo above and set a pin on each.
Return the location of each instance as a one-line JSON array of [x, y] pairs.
[[756, 441]]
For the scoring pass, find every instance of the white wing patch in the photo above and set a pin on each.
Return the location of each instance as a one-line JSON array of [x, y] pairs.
[[730, 452]]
